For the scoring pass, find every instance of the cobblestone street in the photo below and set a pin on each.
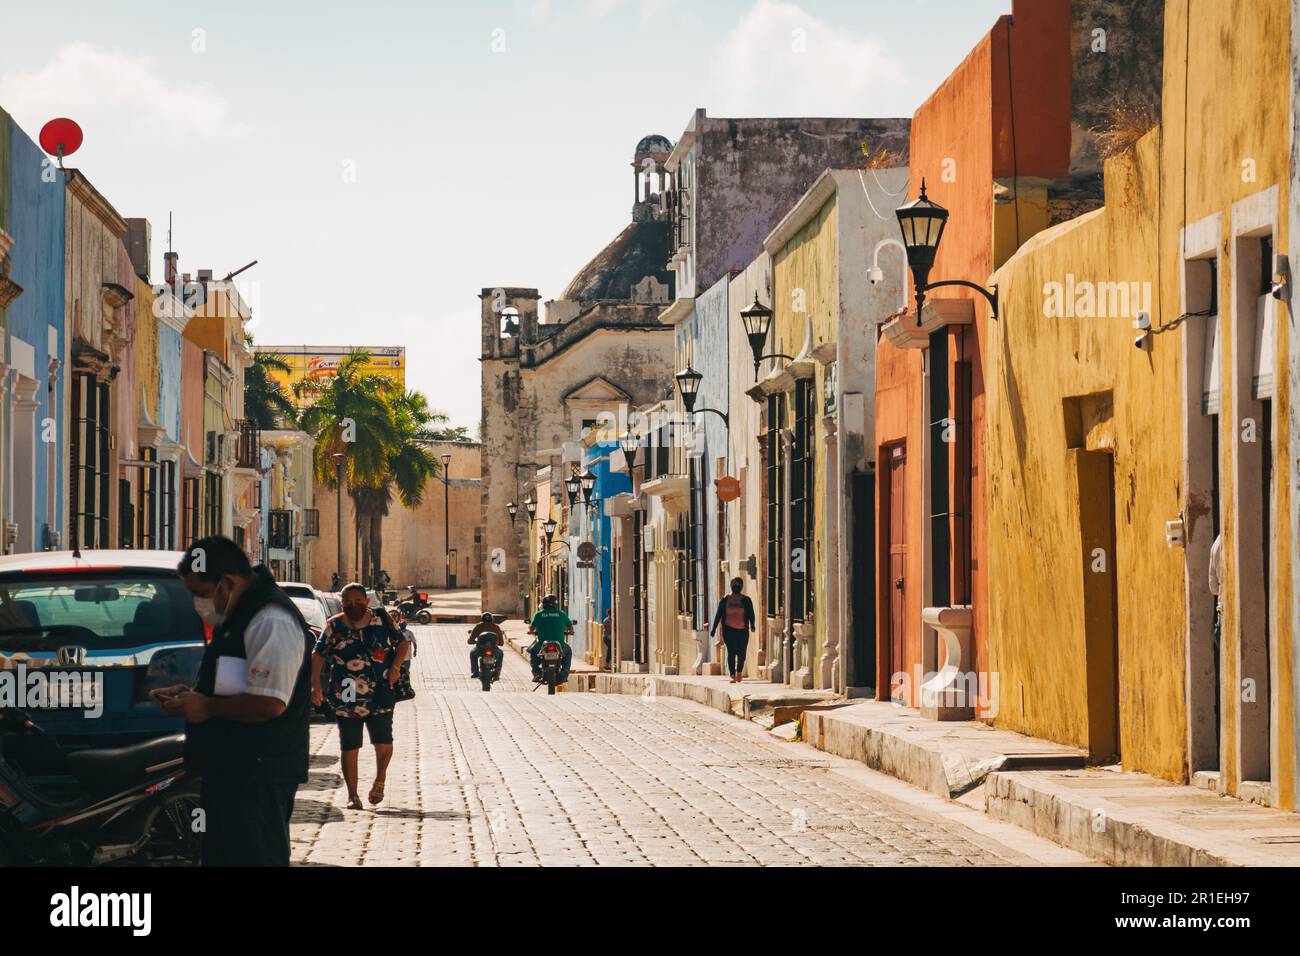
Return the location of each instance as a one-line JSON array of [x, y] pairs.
[[515, 777]]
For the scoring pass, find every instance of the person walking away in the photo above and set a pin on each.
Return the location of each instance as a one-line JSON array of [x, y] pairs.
[[735, 615], [487, 625], [365, 657], [550, 624], [247, 717]]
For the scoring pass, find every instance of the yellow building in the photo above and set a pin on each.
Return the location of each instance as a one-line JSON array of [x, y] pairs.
[[1132, 381], [818, 568]]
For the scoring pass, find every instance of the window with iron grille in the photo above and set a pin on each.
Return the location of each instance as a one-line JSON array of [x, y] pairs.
[[167, 505], [190, 517], [281, 530], [775, 469], [212, 492], [694, 551], [311, 524], [802, 577], [125, 515], [147, 507], [250, 444], [88, 452]]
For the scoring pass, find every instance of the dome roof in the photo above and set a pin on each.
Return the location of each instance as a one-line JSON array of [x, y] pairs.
[[642, 249], [654, 144]]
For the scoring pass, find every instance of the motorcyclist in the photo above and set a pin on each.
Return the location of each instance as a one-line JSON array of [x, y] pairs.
[[550, 624], [487, 625]]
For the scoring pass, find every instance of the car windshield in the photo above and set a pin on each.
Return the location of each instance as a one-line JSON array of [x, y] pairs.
[[96, 610], [311, 610], [298, 590]]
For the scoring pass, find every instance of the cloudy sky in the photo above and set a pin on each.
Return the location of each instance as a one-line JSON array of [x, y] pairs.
[[385, 160]]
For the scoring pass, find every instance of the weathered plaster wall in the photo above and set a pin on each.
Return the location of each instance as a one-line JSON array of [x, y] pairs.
[[1236, 93], [807, 309], [413, 538], [750, 171], [745, 515], [702, 341]]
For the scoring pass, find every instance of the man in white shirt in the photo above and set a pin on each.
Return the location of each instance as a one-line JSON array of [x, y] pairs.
[[247, 717]]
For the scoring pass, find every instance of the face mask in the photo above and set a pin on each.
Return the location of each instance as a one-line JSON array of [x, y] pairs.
[[208, 611], [355, 612]]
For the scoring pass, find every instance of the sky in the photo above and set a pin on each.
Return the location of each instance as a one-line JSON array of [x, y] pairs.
[[385, 161]]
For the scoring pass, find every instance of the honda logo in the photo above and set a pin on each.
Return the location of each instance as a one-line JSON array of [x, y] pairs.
[[72, 656]]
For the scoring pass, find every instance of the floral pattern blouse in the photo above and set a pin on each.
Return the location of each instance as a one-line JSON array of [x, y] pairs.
[[355, 662]]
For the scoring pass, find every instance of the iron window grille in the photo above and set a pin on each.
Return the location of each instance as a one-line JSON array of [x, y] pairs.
[[775, 468]]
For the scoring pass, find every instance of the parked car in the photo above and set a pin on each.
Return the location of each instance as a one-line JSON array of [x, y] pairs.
[[124, 616], [332, 603], [310, 601]]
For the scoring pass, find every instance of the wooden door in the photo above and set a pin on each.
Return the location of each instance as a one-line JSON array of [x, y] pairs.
[[897, 537]]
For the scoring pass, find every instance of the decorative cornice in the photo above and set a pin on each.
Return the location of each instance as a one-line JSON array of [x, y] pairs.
[[91, 198], [677, 313]]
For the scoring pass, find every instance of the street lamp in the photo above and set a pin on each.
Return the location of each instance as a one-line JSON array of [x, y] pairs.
[[446, 519], [530, 505], [630, 442], [513, 509], [757, 319], [922, 221], [688, 384], [588, 482], [549, 526], [571, 486]]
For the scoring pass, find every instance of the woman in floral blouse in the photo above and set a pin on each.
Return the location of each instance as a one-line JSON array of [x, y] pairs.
[[357, 647]]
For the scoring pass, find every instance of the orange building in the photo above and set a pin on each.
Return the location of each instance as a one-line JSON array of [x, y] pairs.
[[1005, 144]]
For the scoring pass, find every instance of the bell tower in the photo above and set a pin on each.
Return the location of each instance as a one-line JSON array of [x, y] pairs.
[[509, 330]]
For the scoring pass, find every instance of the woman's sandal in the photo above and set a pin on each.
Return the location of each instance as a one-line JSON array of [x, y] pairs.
[[379, 785]]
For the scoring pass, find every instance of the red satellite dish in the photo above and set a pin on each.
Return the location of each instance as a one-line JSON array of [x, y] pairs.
[[61, 137]]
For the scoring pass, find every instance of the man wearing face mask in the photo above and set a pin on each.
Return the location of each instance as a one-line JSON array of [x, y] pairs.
[[247, 717]]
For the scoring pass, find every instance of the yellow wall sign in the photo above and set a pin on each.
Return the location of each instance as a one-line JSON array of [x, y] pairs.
[[319, 362]]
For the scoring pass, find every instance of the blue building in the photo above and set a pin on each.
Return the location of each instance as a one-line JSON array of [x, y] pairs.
[[33, 424]]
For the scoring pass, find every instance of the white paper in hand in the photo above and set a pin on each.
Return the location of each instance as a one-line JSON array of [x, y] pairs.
[[232, 677]]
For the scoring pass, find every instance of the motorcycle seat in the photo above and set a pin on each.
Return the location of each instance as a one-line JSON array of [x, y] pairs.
[[119, 767]]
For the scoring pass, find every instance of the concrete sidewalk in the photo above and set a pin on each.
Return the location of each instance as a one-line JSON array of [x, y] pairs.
[[1124, 819]]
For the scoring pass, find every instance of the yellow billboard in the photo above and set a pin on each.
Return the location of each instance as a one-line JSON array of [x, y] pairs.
[[318, 363]]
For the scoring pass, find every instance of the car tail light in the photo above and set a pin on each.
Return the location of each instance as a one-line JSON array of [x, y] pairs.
[[207, 633]]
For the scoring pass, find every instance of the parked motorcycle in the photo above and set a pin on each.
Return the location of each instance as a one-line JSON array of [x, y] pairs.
[[132, 804], [552, 661], [490, 660]]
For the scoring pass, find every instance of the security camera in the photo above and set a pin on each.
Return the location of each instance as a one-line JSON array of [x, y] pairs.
[[875, 275]]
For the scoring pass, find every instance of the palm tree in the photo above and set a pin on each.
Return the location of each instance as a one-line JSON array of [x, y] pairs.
[[379, 429], [265, 401], [410, 466]]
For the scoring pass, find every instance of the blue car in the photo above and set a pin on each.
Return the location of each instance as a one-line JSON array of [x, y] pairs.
[[100, 631]]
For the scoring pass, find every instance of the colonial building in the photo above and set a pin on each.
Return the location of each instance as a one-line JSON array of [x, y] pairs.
[[1006, 145], [33, 392], [1141, 369], [599, 350]]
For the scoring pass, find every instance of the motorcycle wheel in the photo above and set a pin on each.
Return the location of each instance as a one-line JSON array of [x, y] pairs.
[[550, 684], [171, 839], [424, 617], [486, 680]]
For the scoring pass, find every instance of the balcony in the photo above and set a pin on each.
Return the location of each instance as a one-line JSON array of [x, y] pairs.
[[280, 530], [249, 451]]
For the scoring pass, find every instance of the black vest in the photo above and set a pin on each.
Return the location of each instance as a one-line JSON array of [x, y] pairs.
[[274, 750]]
